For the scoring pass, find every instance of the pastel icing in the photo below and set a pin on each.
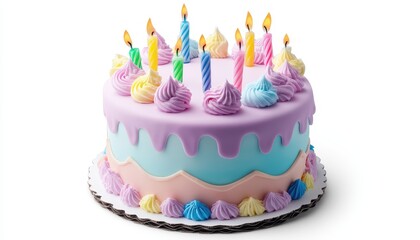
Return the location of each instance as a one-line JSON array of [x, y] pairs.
[[103, 170], [172, 97], [258, 51], [217, 45], [129, 196], [287, 55], [150, 203], [308, 180], [117, 63], [144, 87], [288, 70], [259, 94], [124, 77], [172, 208], [281, 82], [223, 100], [251, 207], [197, 211], [193, 49], [274, 201], [164, 52], [222, 210], [311, 165], [113, 183], [296, 189]]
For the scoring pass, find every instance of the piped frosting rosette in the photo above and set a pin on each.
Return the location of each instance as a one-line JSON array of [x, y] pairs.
[[164, 52], [259, 94], [287, 55], [193, 49], [124, 77], [117, 63], [258, 52], [288, 70], [217, 45], [223, 100], [172, 97], [144, 87], [285, 86]]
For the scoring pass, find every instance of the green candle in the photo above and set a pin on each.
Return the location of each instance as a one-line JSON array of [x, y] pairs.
[[134, 52], [178, 62]]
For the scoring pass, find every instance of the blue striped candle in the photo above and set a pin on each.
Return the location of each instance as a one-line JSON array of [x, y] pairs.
[[205, 65], [185, 35]]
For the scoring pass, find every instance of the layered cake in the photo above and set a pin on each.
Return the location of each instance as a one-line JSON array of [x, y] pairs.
[[201, 132]]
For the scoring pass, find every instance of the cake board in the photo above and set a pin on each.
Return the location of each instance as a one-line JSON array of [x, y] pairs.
[[240, 224]]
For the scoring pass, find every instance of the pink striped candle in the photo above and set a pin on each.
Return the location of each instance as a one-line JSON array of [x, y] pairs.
[[238, 68], [267, 41]]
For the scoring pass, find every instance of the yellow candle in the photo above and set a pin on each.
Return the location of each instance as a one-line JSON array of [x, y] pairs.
[[249, 42], [152, 43]]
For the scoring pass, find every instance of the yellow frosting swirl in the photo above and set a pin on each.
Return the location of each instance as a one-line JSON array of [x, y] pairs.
[[251, 207], [150, 203], [287, 55], [308, 179], [144, 87], [117, 63], [217, 45]]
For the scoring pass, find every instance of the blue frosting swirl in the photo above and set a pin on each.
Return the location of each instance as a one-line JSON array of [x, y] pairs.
[[311, 147], [197, 211], [193, 49], [259, 94], [296, 189]]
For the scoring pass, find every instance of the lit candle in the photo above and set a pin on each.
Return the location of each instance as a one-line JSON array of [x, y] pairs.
[[152, 43], [239, 63], [185, 35], [267, 41], [205, 65], [134, 52], [178, 62], [249, 42]]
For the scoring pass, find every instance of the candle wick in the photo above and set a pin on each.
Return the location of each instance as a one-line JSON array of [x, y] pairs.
[[204, 47], [247, 26], [131, 46], [265, 28], [177, 50], [185, 17], [240, 45]]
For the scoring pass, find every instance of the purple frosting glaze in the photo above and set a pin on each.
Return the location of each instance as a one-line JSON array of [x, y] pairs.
[[164, 52], [124, 77], [172, 97], [172, 208], [274, 201], [113, 183], [222, 210], [311, 164], [289, 71], [130, 196], [282, 81], [223, 100]]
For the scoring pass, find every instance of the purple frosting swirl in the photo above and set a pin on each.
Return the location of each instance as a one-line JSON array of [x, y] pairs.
[[113, 183], [172, 97], [289, 71], [283, 83], [172, 208], [311, 165], [223, 100], [104, 170], [222, 210], [124, 77], [130, 196], [164, 52], [274, 201]]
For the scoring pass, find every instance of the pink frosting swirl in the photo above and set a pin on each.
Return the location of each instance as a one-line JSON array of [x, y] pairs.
[[164, 52], [172, 97], [311, 165], [223, 100], [130, 196], [222, 210], [285, 86], [124, 77], [258, 52], [172, 208], [274, 201]]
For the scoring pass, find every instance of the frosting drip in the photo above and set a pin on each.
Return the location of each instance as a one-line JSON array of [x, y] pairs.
[[150, 203], [130, 196], [258, 52], [308, 180], [296, 189], [124, 77], [223, 100], [287, 55], [222, 210], [274, 201], [117, 63], [172, 97], [217, 45], [144, 87], [172, 208], [197, 211], [259, 94], [251, 207]]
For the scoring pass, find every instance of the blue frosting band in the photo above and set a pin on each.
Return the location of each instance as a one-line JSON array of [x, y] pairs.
[[296, 189], [259, 94], [197, 211]]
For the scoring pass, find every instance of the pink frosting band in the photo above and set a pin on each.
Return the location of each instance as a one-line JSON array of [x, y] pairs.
[[172, 97], [223, 100], [124, 77]]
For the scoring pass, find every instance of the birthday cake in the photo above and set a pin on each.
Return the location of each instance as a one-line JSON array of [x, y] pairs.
[[202, 134]]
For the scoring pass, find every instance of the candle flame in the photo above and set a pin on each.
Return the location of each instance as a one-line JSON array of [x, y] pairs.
[[184, 12], [238, 38], [286, 40], [178, 46], [248, 22], [267, 22], [150, 28], [202, 42], [127, 39]]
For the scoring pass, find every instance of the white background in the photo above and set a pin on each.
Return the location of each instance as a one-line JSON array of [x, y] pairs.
[[362, 59]]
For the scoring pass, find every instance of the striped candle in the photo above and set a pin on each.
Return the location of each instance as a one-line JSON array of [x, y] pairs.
[[185, 35], [205, 65], [267, 41], [238, 68]]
